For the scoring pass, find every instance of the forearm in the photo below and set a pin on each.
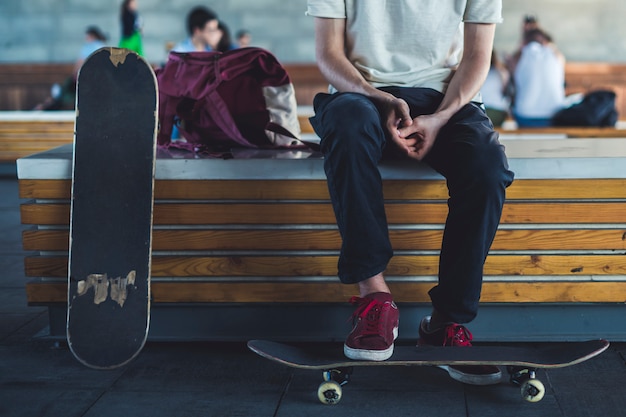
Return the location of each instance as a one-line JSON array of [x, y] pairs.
[[334, 64], [471, 73]]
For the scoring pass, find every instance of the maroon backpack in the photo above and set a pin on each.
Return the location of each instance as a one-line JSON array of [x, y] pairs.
[[239, 98]]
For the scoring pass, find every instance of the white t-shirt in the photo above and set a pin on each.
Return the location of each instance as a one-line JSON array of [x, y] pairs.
[[405, 42], [539, 82]]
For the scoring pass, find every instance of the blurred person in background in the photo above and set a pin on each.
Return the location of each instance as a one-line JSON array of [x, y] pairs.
[[539, 78], [131, 27], [203, 30], [495, 91], [63, 96], [244, 38]]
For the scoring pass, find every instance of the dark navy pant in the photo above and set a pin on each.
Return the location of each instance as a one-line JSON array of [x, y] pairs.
[[467, 153]]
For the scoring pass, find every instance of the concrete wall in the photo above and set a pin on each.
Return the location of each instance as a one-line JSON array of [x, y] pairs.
[[52, 30]]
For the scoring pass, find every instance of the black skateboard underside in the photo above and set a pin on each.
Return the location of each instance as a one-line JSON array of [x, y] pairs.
[[325, 357], [112, 198]]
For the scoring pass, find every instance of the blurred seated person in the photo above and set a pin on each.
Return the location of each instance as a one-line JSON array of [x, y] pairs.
[[63, 96], [244, 38], [494, 91], [529, 23], [204, 33], [225, 43], [539, 78]]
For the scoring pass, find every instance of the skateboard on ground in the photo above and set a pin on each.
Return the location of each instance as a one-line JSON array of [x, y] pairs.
[[111, 208], [521, 362]]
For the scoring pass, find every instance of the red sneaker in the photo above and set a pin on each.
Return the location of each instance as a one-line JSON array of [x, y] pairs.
[[454, 334], [375, 328]]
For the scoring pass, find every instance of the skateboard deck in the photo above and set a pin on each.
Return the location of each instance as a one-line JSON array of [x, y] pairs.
[[521, 362], [111, 208]]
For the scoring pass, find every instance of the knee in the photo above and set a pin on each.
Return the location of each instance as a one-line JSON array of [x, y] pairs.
[[486, 168], [349, 117], [490, 166]]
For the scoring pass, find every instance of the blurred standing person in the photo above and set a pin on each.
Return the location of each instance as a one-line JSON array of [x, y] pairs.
[[539, 81], [131, 27], [203, 30], [494, 91]]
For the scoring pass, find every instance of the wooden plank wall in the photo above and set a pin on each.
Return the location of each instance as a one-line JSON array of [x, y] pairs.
[[22, 86]]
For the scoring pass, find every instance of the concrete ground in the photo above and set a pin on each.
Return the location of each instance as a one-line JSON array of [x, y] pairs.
[[39, 377]]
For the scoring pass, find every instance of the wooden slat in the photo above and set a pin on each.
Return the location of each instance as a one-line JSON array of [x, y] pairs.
[[317, 189], [260, 240], [45, 214], [295, 266], [53, 189], [33, 138], [322, 213], [37, 126], [570, 132], [574, 189], [559, 213], [242, 189], [45, 240], [493, 292], [404, 292], [37, 145]]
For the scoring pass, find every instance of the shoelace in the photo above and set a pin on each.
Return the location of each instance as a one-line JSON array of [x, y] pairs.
[[369, 310], [457, 335]]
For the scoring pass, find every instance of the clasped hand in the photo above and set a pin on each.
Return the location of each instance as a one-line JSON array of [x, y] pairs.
[[416, 136]]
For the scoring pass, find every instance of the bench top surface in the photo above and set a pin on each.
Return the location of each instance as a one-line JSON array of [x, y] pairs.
[[529, 159], [37, 116]]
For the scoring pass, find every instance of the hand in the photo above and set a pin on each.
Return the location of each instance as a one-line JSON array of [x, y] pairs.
[[396, 115], [420, 135]]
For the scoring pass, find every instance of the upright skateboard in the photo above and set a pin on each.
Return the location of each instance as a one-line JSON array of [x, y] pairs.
[[111, 211], [521, 362]]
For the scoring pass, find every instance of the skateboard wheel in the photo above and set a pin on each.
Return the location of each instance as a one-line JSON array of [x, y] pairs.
[[533, 390], [329, 392]]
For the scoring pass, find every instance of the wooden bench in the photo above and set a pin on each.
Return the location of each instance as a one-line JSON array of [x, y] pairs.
[[26, 133], [260, 234]]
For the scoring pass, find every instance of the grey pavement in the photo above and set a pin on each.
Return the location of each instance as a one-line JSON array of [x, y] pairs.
[[39, 377]]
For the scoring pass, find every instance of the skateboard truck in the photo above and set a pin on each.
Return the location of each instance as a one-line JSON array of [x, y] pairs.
[[532, 389]]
